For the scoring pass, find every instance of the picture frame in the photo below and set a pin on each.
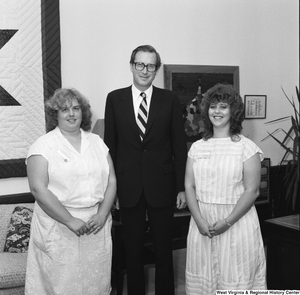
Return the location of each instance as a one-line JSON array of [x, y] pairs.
[[190, 82], [255, 106]]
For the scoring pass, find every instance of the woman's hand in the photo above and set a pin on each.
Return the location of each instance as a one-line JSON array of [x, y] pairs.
[[95, 223], [78, 226], [218, 228], [204, 228]]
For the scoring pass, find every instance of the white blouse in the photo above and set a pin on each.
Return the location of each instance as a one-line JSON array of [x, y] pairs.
[[78, 180]]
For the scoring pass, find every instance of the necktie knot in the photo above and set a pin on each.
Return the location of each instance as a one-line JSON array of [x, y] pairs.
[[143, 95]]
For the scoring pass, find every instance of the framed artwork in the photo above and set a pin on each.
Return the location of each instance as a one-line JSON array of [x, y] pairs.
[[190, 82], [30, 55], [255, 106]]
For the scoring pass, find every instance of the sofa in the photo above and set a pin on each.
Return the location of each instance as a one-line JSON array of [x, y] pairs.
[[12, 265]]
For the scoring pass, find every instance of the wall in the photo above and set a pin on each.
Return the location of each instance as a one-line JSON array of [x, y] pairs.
[[261, 37]]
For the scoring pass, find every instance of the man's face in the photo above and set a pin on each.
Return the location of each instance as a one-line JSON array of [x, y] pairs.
[[143, 79]]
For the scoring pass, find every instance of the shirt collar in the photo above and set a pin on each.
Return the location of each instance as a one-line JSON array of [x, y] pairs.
[[136, 92], [84, 139]]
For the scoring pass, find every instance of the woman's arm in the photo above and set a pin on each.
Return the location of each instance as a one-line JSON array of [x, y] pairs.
[[37, 171], [190, 191], [97, 221], [252, 175]]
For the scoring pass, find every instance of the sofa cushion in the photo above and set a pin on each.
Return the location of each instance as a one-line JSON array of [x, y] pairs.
[[5, 216], [12, 270], [18, 232]]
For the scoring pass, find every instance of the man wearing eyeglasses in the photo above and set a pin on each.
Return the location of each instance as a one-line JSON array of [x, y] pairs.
[[145, 134]]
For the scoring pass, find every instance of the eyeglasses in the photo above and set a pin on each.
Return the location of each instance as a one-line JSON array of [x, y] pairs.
[[139, 66]]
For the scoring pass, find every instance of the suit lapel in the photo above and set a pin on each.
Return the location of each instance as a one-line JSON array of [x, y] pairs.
[[128, 110], [155, 106]]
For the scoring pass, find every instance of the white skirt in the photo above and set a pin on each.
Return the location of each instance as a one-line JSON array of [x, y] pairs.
[[59, 262]]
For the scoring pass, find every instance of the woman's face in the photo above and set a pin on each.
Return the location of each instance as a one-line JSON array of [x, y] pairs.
[[219, 114], [70, 117]]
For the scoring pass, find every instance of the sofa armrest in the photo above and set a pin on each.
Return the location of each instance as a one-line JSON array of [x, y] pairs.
[[12, 269]]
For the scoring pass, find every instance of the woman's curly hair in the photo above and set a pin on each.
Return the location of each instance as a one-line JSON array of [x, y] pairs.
[[223, 93], [63, 97]]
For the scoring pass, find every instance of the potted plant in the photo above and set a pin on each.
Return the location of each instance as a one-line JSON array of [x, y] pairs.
[[290, 160]]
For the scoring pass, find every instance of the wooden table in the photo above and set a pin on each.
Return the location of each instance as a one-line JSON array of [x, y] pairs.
[[283, 252]]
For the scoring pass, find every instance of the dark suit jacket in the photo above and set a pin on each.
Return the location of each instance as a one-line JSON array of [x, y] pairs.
[[156, 164]]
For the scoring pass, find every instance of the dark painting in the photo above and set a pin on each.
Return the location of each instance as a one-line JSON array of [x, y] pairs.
[[190, 83]]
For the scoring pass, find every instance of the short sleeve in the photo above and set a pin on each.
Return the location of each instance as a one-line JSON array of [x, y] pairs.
[[39, 147], [98, 144], [103, 146], [250, 149], [192, 153]]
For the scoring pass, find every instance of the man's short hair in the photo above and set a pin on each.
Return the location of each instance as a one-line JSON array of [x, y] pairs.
[[146, 48]]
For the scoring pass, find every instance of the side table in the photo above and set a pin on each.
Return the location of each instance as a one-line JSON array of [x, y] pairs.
[[283, 252]]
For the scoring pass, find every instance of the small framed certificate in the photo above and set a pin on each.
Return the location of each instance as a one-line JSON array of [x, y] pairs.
[[255, 106]]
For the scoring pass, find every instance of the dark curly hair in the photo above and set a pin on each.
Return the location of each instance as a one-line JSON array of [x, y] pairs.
[[223, 93], [63, 97], [146, 48]]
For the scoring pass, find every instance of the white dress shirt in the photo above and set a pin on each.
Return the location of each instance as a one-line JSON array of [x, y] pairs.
[[137, 99]]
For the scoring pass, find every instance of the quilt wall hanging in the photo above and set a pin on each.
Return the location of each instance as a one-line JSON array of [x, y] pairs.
[[30, 71]]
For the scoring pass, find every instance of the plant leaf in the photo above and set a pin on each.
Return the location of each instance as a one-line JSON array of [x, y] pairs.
[[281, 144], [292, 174], [292, 101], [277, 120]]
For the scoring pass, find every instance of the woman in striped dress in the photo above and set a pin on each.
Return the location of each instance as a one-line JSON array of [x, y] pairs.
[[224, 247]]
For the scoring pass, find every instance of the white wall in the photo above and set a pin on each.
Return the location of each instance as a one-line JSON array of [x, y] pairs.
[[259, 36]]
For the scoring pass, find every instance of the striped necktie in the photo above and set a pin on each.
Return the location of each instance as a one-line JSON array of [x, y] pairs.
[[142, 116]]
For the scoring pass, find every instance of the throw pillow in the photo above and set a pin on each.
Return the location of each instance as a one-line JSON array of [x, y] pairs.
[[18, 233]]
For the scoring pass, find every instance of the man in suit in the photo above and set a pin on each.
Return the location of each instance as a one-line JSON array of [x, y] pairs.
[[149, 159]]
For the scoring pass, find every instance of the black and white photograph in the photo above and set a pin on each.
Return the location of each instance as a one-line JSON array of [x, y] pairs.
[[149, 147]]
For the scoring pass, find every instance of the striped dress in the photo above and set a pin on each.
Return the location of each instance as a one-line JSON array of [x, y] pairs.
[[234, 260]]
